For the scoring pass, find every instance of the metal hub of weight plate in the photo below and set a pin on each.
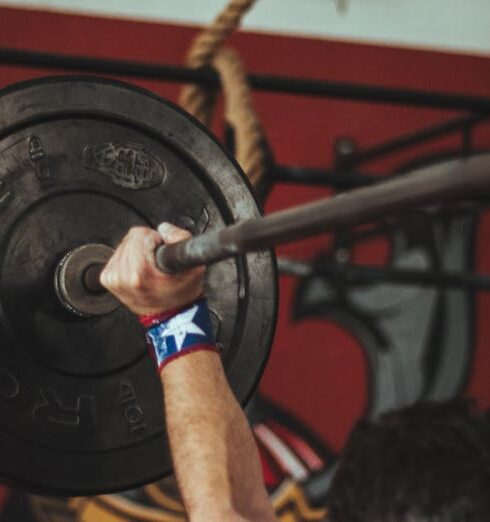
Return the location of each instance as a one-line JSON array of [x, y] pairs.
[[76, 277], [81, 161]]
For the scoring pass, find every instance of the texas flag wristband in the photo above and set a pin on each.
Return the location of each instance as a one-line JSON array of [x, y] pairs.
[[179, 332]]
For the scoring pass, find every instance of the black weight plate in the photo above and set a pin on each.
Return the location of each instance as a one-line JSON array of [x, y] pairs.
[[81, 161]]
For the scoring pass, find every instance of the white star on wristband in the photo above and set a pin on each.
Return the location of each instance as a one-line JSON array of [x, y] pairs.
[[182, 325]]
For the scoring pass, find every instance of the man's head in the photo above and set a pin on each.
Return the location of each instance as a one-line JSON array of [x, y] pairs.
[[429, 462]]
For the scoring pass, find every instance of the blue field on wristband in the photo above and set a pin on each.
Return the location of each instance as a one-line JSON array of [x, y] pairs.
[[182, 332]]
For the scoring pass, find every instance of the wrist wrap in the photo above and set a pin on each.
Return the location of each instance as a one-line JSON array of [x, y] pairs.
[[179, 332]]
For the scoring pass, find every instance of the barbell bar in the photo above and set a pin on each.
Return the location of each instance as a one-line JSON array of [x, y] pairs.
[[470, 179]]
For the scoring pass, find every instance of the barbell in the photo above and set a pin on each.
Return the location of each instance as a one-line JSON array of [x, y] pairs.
[[81, 161]]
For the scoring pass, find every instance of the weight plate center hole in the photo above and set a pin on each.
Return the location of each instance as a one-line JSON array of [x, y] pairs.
[[91, 279], [77, 281]]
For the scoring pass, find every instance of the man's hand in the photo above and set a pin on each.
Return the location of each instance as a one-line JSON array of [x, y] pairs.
[[132, 276]]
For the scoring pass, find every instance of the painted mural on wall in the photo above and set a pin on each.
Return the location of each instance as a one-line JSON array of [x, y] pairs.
[[418, 339]]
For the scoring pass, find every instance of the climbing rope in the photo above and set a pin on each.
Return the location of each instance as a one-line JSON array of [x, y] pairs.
[[206, 50], [251, 150], [196, 100]]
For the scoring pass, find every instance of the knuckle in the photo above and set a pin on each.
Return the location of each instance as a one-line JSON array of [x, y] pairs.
[[104, 278], [136, 281], [135, 232], [172, 233], [113, 281]]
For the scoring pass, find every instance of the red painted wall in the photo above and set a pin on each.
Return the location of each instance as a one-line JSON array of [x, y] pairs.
[[317, 369]]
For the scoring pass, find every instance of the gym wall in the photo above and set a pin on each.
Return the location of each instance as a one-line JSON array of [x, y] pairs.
[[318, 370]]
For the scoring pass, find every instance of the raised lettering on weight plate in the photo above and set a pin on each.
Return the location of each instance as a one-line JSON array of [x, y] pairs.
[[203, 222], [133, 414], [9, 385], [6, 194], [78, 413], [38, 157], [128, 165]]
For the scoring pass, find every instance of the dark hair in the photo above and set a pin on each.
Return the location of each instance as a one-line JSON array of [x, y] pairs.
[[427, 462]]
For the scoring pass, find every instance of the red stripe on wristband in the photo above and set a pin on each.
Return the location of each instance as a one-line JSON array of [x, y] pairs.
[[150, 320]]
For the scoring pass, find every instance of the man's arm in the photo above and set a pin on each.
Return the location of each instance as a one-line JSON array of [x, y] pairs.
[[214, 453]]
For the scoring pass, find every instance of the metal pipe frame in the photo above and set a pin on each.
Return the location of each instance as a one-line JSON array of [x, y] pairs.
[[406, 141], [339, 179], [208, 77], [281, 84], [365, 274]]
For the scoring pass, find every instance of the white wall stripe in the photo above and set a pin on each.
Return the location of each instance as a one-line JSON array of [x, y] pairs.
[[453, 25]]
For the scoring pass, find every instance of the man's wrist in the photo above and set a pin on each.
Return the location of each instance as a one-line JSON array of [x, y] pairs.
[[149, 320], [180, 331]]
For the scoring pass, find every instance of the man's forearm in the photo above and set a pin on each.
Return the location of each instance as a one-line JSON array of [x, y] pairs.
[[213, 450], [215, 456]]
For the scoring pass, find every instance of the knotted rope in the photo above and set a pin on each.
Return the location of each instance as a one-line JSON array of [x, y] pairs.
[[251, 151]]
